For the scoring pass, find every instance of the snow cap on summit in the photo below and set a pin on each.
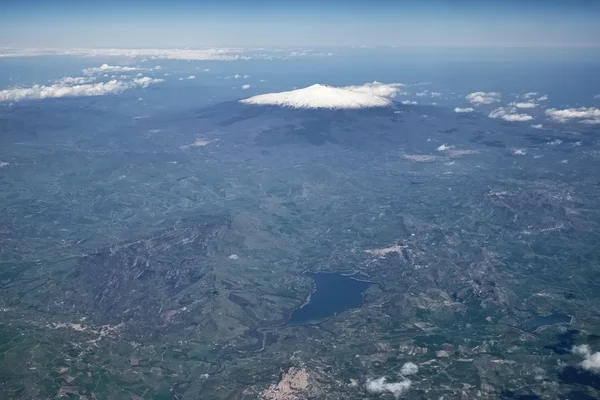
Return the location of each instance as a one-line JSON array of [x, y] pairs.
[[373, 94]]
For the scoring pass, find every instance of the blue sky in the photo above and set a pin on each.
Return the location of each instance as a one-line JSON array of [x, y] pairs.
[[408, 23]]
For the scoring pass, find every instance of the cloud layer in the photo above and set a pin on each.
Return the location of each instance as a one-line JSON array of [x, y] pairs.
[[373, 94], [226, 54], [169, 54], [74, 87]]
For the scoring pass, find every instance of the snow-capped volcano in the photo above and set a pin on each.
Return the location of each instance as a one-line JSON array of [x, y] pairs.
[[373, 94]]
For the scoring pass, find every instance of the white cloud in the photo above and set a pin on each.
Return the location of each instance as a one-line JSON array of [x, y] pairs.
[[409, 368], [463, 110], [543, 98], [409, 103], [198, 143], [530, 95], [591, 121], [519, 152], [71, 81], [168, 54], [585, 115], [581, 350], [146, 81], [537, 126], [308, 52], [444, 147], [377, 88], [509, 115], [478, 98], [188, 78], [108, 68], [524, 105], [427, 93], [60, 90], [381, 386], [555, 142], [73, 87], [517, 117], [591, 360], [374, 94], [245, 87], [237, 76]]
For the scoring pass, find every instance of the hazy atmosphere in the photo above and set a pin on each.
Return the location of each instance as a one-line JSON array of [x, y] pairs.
[[280, 200], [403, 23]]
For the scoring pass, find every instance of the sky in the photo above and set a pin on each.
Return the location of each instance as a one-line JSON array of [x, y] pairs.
[[287, 23]]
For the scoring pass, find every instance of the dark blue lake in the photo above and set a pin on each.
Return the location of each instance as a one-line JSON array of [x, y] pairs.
[[334, 293], [542, 320]]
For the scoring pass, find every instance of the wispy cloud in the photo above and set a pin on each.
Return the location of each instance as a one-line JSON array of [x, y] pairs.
[[105, 68], [309, 53], [71, 81], [427, 93], [509, 115], [245, 87], [188, 78], [237, 76], [146, 81], [479, 98]]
